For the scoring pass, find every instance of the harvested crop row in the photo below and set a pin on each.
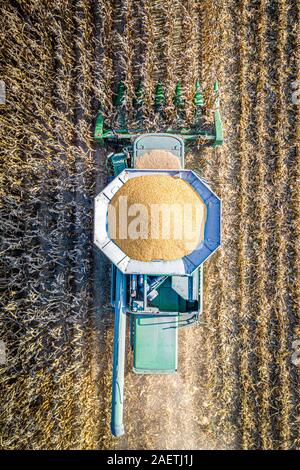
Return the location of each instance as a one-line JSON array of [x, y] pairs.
[[262, 334], [295, 220], [219, 311], [281, 234]]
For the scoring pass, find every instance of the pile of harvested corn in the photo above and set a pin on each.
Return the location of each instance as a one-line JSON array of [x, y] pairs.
[[159, 159], [156, 217]]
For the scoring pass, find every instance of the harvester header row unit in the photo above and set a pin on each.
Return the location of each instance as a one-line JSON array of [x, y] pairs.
[[198, 132]]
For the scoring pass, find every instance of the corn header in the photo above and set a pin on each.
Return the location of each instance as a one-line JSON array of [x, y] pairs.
[[198, 131]]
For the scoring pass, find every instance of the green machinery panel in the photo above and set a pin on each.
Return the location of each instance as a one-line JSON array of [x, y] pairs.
[[155, 344]]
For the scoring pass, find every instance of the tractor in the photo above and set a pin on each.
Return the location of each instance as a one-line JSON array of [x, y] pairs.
[[157, 297]]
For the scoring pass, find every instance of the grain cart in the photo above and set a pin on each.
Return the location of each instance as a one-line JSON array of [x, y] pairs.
[[157, 297]]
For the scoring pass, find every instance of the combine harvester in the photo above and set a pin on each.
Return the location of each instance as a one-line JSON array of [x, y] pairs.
[[157, 296]]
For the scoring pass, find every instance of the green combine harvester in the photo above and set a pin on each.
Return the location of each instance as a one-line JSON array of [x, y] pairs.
[[159, 296]]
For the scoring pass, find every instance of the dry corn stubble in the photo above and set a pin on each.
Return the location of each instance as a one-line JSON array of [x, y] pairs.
[[47, 401], [167, 224]]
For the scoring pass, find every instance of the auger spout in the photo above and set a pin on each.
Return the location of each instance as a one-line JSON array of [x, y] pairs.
[[117, 426]]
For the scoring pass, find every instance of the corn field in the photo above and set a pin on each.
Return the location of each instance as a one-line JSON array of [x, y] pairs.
[[237, 386]]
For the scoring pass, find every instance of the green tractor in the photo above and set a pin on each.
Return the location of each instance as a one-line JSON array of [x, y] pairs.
[[159, 296]]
